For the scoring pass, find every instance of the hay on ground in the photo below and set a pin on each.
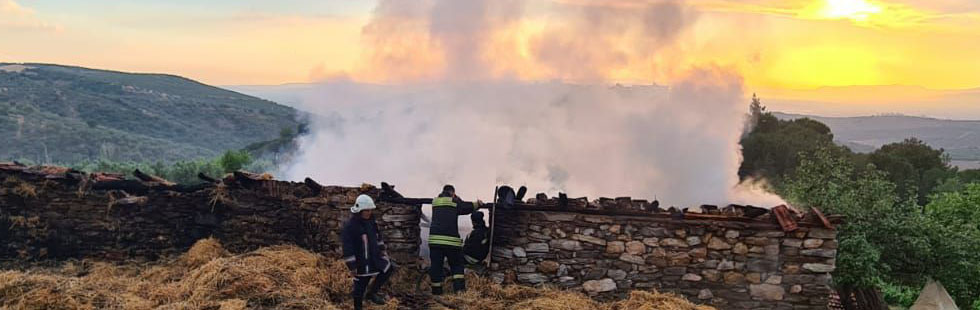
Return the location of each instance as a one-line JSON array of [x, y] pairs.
[[278, 277]]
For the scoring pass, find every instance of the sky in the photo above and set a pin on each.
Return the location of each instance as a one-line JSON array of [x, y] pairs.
[[773, 45]]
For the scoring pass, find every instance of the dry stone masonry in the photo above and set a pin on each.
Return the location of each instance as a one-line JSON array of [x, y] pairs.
[[729, 264], [732, 262]]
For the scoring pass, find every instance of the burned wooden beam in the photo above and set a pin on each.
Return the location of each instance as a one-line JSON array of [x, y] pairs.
[[753, 211], [676, 214], [314, 187], [388, 190], [129, 186], [206, 178], [710, 209], [249, 179], [151, 178], [105, 177], [181, 188]]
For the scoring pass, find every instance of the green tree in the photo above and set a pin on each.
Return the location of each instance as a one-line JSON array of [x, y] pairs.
[[882, 238], [955, 231], [234, 160], [772, 149], [756, 110], [914, 166]]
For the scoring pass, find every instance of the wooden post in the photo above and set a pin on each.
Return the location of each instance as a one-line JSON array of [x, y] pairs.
[[493, 208]]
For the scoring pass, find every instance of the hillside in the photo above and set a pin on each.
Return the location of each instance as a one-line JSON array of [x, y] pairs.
[[960, 138], [53, 113]]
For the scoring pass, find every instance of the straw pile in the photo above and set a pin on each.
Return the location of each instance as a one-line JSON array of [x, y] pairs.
[[280, 277]]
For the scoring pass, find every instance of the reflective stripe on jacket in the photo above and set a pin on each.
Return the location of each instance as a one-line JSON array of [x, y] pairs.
[[444, 231]]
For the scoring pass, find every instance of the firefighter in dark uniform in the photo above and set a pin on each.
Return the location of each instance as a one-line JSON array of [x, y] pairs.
[[476, 247], [365, 253], [444, 240]]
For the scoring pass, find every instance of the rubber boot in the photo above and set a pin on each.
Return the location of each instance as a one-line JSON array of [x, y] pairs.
[[377, 299], [459, 285], [358, 303]]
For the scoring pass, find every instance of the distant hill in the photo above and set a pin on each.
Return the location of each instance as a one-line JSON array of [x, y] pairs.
[[53, 113], [958, 104], [960, 138]]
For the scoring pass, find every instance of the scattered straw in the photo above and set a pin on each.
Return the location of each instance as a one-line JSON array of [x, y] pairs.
[[279, 277], [219, 195], [204, 251], [25, 190]]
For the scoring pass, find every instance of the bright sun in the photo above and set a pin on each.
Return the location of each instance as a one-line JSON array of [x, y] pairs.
[[858, 10]]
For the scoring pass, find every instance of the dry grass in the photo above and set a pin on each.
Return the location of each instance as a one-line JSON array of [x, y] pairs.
[[279, 277], [219, 195], [20, 188]]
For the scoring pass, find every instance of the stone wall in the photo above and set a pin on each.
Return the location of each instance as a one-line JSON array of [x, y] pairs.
[[48, 216], [729, 263], [604, 249]]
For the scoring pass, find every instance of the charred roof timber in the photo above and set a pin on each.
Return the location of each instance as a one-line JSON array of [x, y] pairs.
[[787, 218], [507, 199]]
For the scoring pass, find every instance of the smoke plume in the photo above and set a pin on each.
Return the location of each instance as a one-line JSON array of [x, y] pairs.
[[460, 107]]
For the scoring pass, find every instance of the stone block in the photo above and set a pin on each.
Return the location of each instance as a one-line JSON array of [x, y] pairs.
[[734, 278], [711, 275], [731, 234], [826, 253], [673, 242], [636, 248], [599, 286], [615, 247], [617, 274], [548, 267], [589, 239], [740, 249], [767, 292], [718, 244], [651, 241], [693, 240], [632, 259], [821, 233], [533, 278], [537, 247], [564, 244], [792, 242], [818, 268]]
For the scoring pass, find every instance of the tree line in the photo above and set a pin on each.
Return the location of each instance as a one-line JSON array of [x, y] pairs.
[[909, 215]]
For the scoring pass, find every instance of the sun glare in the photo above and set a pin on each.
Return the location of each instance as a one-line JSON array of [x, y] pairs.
[[858, 10]]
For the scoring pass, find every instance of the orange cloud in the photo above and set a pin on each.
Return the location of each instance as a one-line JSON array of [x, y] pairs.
[[14, 16]]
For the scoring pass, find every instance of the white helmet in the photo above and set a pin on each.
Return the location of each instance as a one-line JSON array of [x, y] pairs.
[[363, 202]]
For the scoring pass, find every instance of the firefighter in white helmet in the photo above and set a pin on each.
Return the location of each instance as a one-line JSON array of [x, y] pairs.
[[365, 253]]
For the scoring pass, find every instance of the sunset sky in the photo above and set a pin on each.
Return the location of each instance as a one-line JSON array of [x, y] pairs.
[[784, 45]]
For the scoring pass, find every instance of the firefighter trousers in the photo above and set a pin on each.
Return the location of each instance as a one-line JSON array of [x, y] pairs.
[[438, 255]]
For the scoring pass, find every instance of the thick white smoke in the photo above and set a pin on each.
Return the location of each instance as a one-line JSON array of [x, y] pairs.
[[470, 127]]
